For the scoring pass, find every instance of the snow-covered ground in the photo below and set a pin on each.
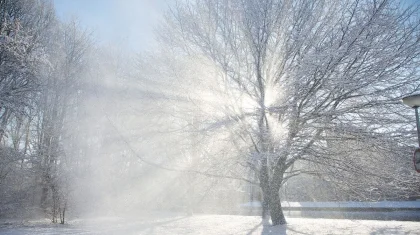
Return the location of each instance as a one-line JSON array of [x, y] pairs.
[[208, 224]]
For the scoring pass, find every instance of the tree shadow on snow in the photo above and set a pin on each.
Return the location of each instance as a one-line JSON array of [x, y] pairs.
[[279, 230], [397, 230], [254, 228], [269, 229]]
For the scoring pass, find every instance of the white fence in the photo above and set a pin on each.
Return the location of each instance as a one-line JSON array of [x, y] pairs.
[[383, 210]]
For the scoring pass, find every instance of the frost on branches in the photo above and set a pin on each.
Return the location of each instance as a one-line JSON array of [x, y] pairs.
[[300, 87]]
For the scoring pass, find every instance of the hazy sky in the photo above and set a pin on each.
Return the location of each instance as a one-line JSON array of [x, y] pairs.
[[128, 22]]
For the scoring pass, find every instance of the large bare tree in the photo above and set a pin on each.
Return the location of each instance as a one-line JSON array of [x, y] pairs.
[[314, 83]]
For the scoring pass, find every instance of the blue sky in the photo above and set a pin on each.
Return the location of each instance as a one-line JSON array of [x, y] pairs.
[[126, 22]]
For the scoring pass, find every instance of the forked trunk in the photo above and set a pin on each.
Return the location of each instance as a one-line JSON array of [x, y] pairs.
[[272, 205]]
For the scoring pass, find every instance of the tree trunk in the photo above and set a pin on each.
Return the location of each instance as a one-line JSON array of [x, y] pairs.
[[265, 188], [44, 195], [55, 204], [265, 204], [276, 212], [63, 213], [272, 206]]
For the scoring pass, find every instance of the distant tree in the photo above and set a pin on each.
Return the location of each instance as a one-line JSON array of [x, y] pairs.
[[300, 86], [58, 109]]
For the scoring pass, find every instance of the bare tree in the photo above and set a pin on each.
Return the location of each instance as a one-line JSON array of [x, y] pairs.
[[23, 25], [58, 109], [297, 76]]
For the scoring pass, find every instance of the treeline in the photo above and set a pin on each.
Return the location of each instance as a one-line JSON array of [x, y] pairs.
[[42, 65]]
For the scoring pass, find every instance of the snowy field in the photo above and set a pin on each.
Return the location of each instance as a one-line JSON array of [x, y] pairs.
[[208, 224]]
